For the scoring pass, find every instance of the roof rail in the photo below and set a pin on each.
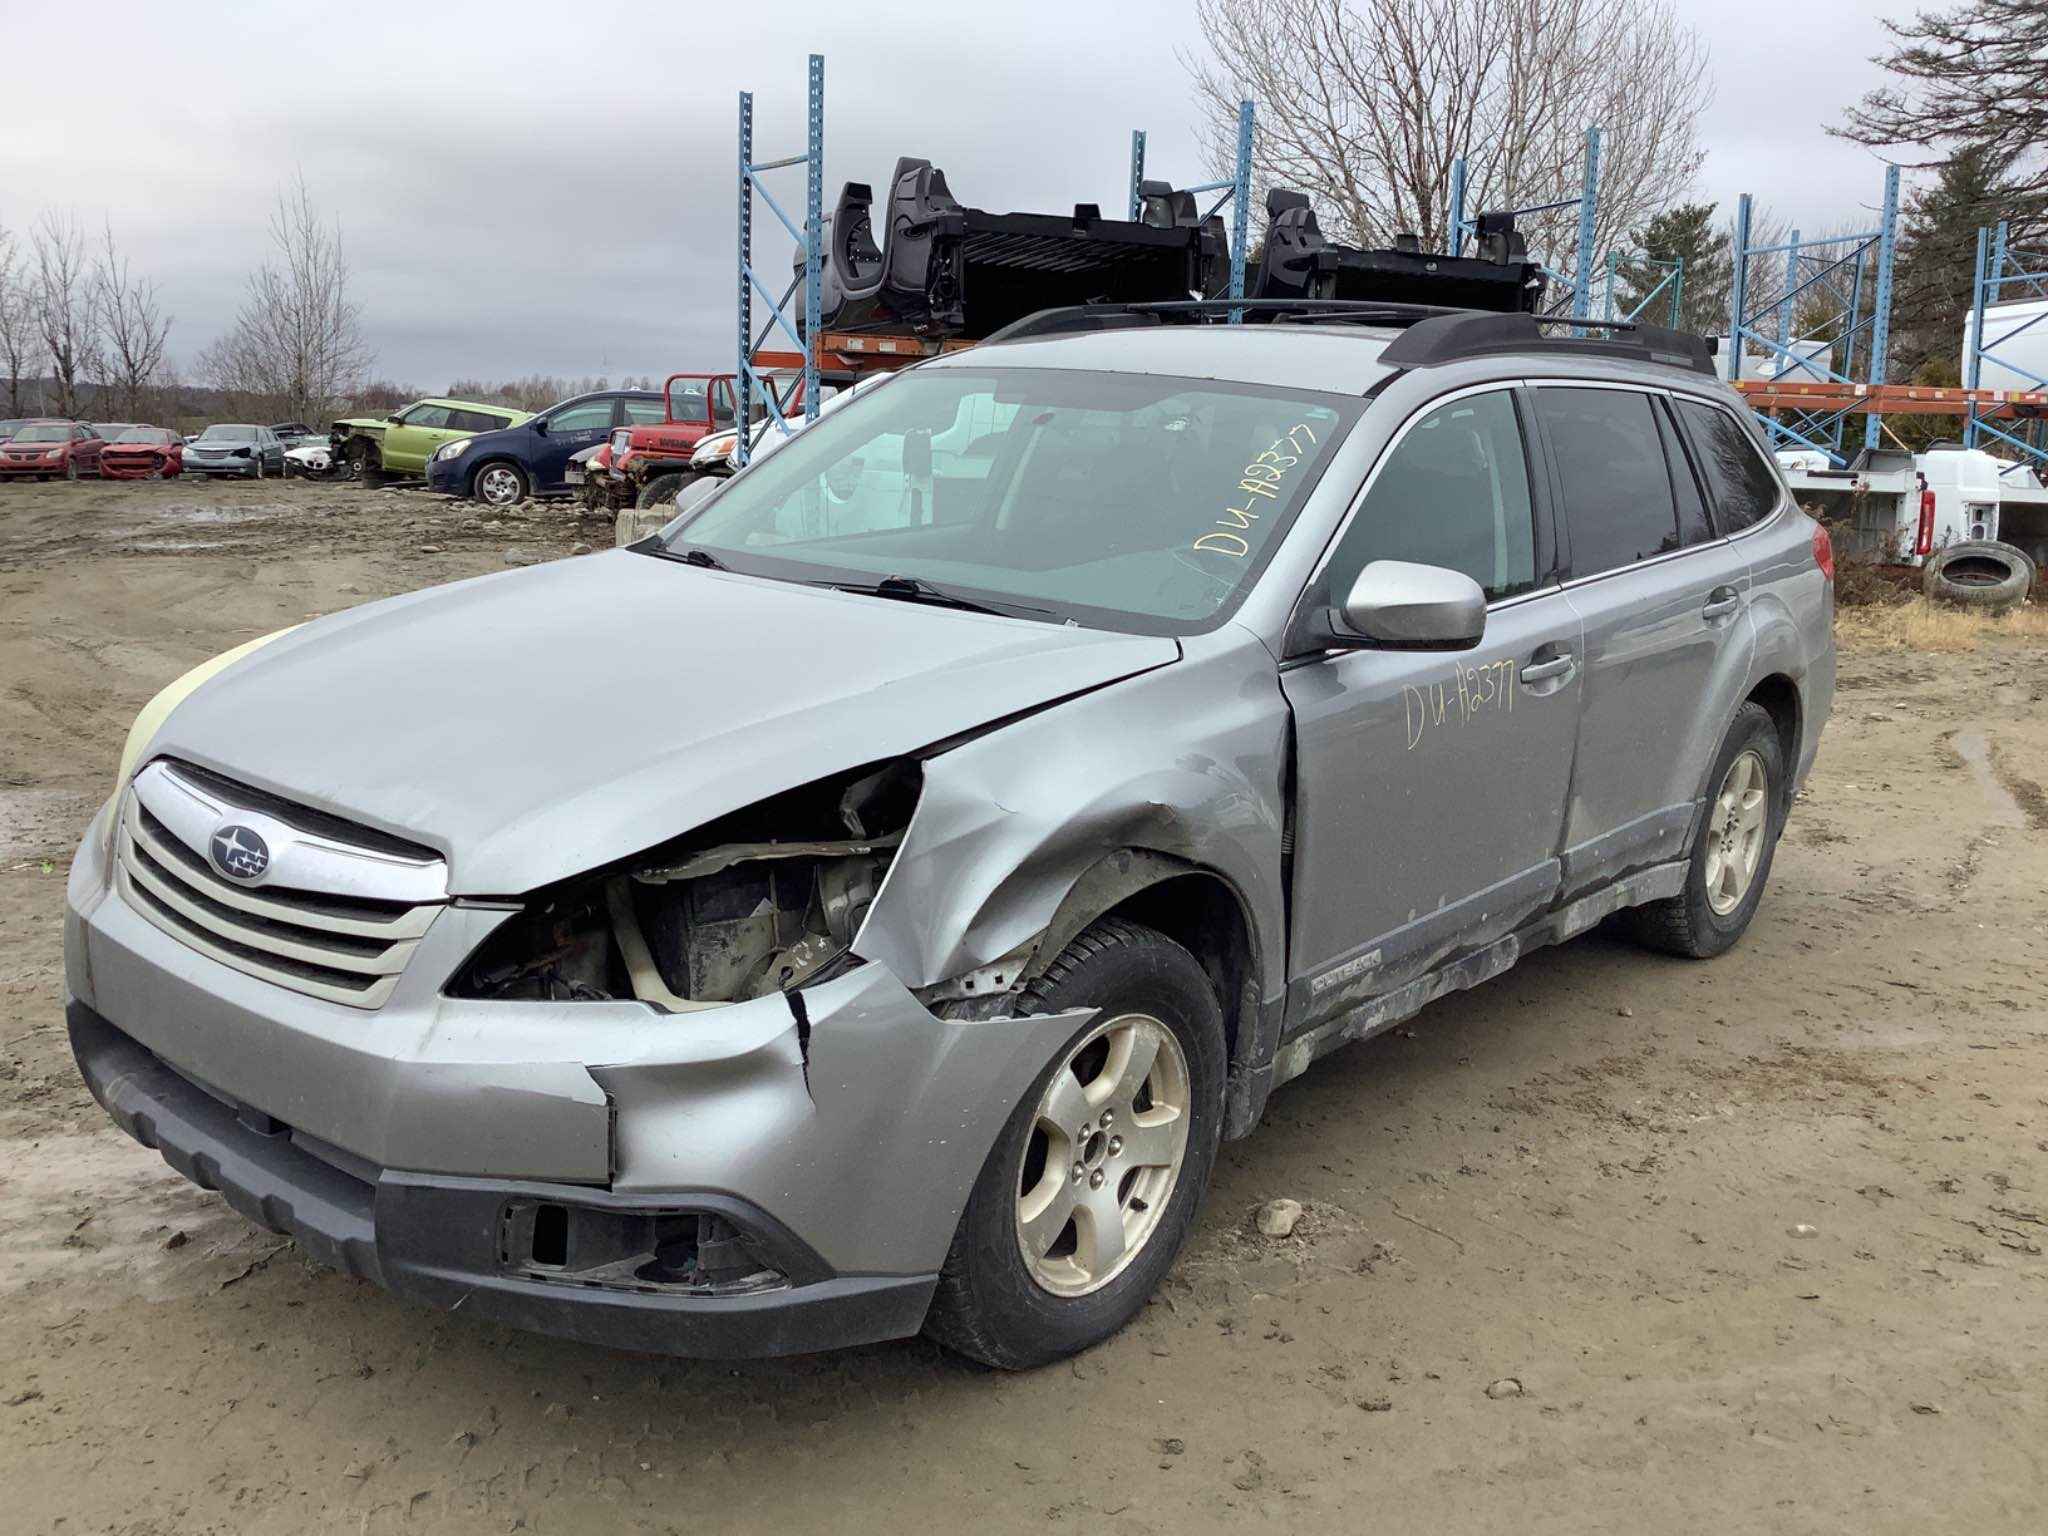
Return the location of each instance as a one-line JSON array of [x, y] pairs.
[[1470, 333], [1113, 317]]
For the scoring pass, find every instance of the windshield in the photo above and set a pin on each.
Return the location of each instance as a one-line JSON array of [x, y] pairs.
[[156, 435], [55, 433], [228, 435], [1125, 500]]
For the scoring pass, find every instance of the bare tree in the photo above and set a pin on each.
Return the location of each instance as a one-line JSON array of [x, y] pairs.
[[62, 296], [297, 345], [132, 329], [1364, 104], [19, 346]]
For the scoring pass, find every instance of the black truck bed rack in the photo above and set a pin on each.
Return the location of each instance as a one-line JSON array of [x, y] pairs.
[[946, 270], [1300, 263]]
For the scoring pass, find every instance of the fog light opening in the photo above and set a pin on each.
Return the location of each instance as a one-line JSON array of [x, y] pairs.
[[550, 1236]]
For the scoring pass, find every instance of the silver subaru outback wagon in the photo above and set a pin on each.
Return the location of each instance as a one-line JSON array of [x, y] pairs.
[[864, 906]]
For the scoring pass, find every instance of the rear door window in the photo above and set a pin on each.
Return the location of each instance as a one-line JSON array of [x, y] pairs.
[[1611, 468], [1693, 526], [646, 413], [1741, 485]]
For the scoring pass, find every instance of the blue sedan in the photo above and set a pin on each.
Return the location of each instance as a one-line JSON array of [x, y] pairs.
[[503, 468]]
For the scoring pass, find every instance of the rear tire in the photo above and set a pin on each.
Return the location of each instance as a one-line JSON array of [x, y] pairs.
[[995, 1305], [1725, 878]]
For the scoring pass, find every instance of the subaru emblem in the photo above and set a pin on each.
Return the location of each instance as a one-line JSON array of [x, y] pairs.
[[240, 853]]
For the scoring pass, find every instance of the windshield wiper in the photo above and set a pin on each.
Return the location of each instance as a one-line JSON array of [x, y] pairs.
[[915, 589], [699, 557]]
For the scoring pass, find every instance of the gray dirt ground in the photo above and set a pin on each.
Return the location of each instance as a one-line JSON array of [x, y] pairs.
[[1585, 1176]]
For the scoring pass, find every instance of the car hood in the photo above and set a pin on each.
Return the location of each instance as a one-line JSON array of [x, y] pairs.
[[539, 723]]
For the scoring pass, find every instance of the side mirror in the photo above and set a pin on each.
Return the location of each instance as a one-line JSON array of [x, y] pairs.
[[696, 493], [540, 425], [395, 419], [1409, 607]]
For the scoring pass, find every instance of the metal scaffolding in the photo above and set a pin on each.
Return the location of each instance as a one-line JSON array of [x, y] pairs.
[[1580, 282], [1849, 279], [2004, 275], [1671, 285], [810, 239], [1236, 190]]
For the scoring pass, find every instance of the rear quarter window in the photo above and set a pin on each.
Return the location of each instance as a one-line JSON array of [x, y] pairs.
[[1742, 486]]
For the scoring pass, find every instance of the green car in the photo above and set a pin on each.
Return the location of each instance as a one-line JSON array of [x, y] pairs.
[[401, 443]]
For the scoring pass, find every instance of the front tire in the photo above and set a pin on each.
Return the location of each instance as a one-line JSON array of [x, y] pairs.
[[71, 469], [662, 489], [1094, 1181], [500, 485], [369, 466], [1733, 841]]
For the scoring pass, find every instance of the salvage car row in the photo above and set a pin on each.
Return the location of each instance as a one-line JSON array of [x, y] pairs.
[[53, 448]]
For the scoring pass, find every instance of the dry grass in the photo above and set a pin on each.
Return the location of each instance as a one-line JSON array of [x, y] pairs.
[[1920, 625]]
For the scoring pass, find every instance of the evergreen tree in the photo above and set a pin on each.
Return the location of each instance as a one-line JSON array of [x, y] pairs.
[[1937, 257], [1684, 232]]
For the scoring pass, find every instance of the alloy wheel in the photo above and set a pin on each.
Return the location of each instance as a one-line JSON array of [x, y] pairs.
[[1104, 1154], [498, 485], [1735, 832]]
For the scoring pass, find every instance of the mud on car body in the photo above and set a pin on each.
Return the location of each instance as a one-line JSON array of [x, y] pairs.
[[865, 906]]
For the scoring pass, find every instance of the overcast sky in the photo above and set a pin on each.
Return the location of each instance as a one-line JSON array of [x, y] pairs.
[[550, 188]]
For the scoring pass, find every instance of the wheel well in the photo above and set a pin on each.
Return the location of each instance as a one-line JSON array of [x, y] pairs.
[[1780, 698], [1202, 914]]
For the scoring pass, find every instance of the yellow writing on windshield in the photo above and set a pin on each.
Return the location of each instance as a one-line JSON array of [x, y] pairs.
[[1259, 482]]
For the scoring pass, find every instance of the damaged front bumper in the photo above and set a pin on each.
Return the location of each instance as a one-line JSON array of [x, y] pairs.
[[566, 1167]]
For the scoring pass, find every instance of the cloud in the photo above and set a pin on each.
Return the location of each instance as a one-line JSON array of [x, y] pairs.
[[551, 188]]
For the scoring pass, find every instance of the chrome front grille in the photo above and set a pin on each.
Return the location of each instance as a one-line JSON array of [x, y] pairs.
[[330, 916]]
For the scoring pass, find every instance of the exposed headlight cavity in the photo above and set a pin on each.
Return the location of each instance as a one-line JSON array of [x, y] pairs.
[[761, 901]]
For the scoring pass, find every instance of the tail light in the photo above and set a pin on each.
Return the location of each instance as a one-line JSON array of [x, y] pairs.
[[1823, 552], [1923, 538]]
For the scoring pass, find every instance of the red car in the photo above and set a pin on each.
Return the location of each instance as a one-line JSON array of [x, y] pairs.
[[51, 449], [143, 453]]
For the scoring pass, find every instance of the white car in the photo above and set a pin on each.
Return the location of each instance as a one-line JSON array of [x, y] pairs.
[[311, 458]]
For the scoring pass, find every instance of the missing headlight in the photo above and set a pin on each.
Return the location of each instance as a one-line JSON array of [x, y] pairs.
[[764, 900]]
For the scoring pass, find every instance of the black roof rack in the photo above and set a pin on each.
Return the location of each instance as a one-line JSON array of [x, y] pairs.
[[1115, 317], [1469, 333]]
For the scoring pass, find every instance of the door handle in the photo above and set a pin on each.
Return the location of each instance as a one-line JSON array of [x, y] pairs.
[[1721, 602], [1543, 671]]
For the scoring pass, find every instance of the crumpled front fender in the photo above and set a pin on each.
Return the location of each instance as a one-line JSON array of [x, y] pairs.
[[1186, 760]]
